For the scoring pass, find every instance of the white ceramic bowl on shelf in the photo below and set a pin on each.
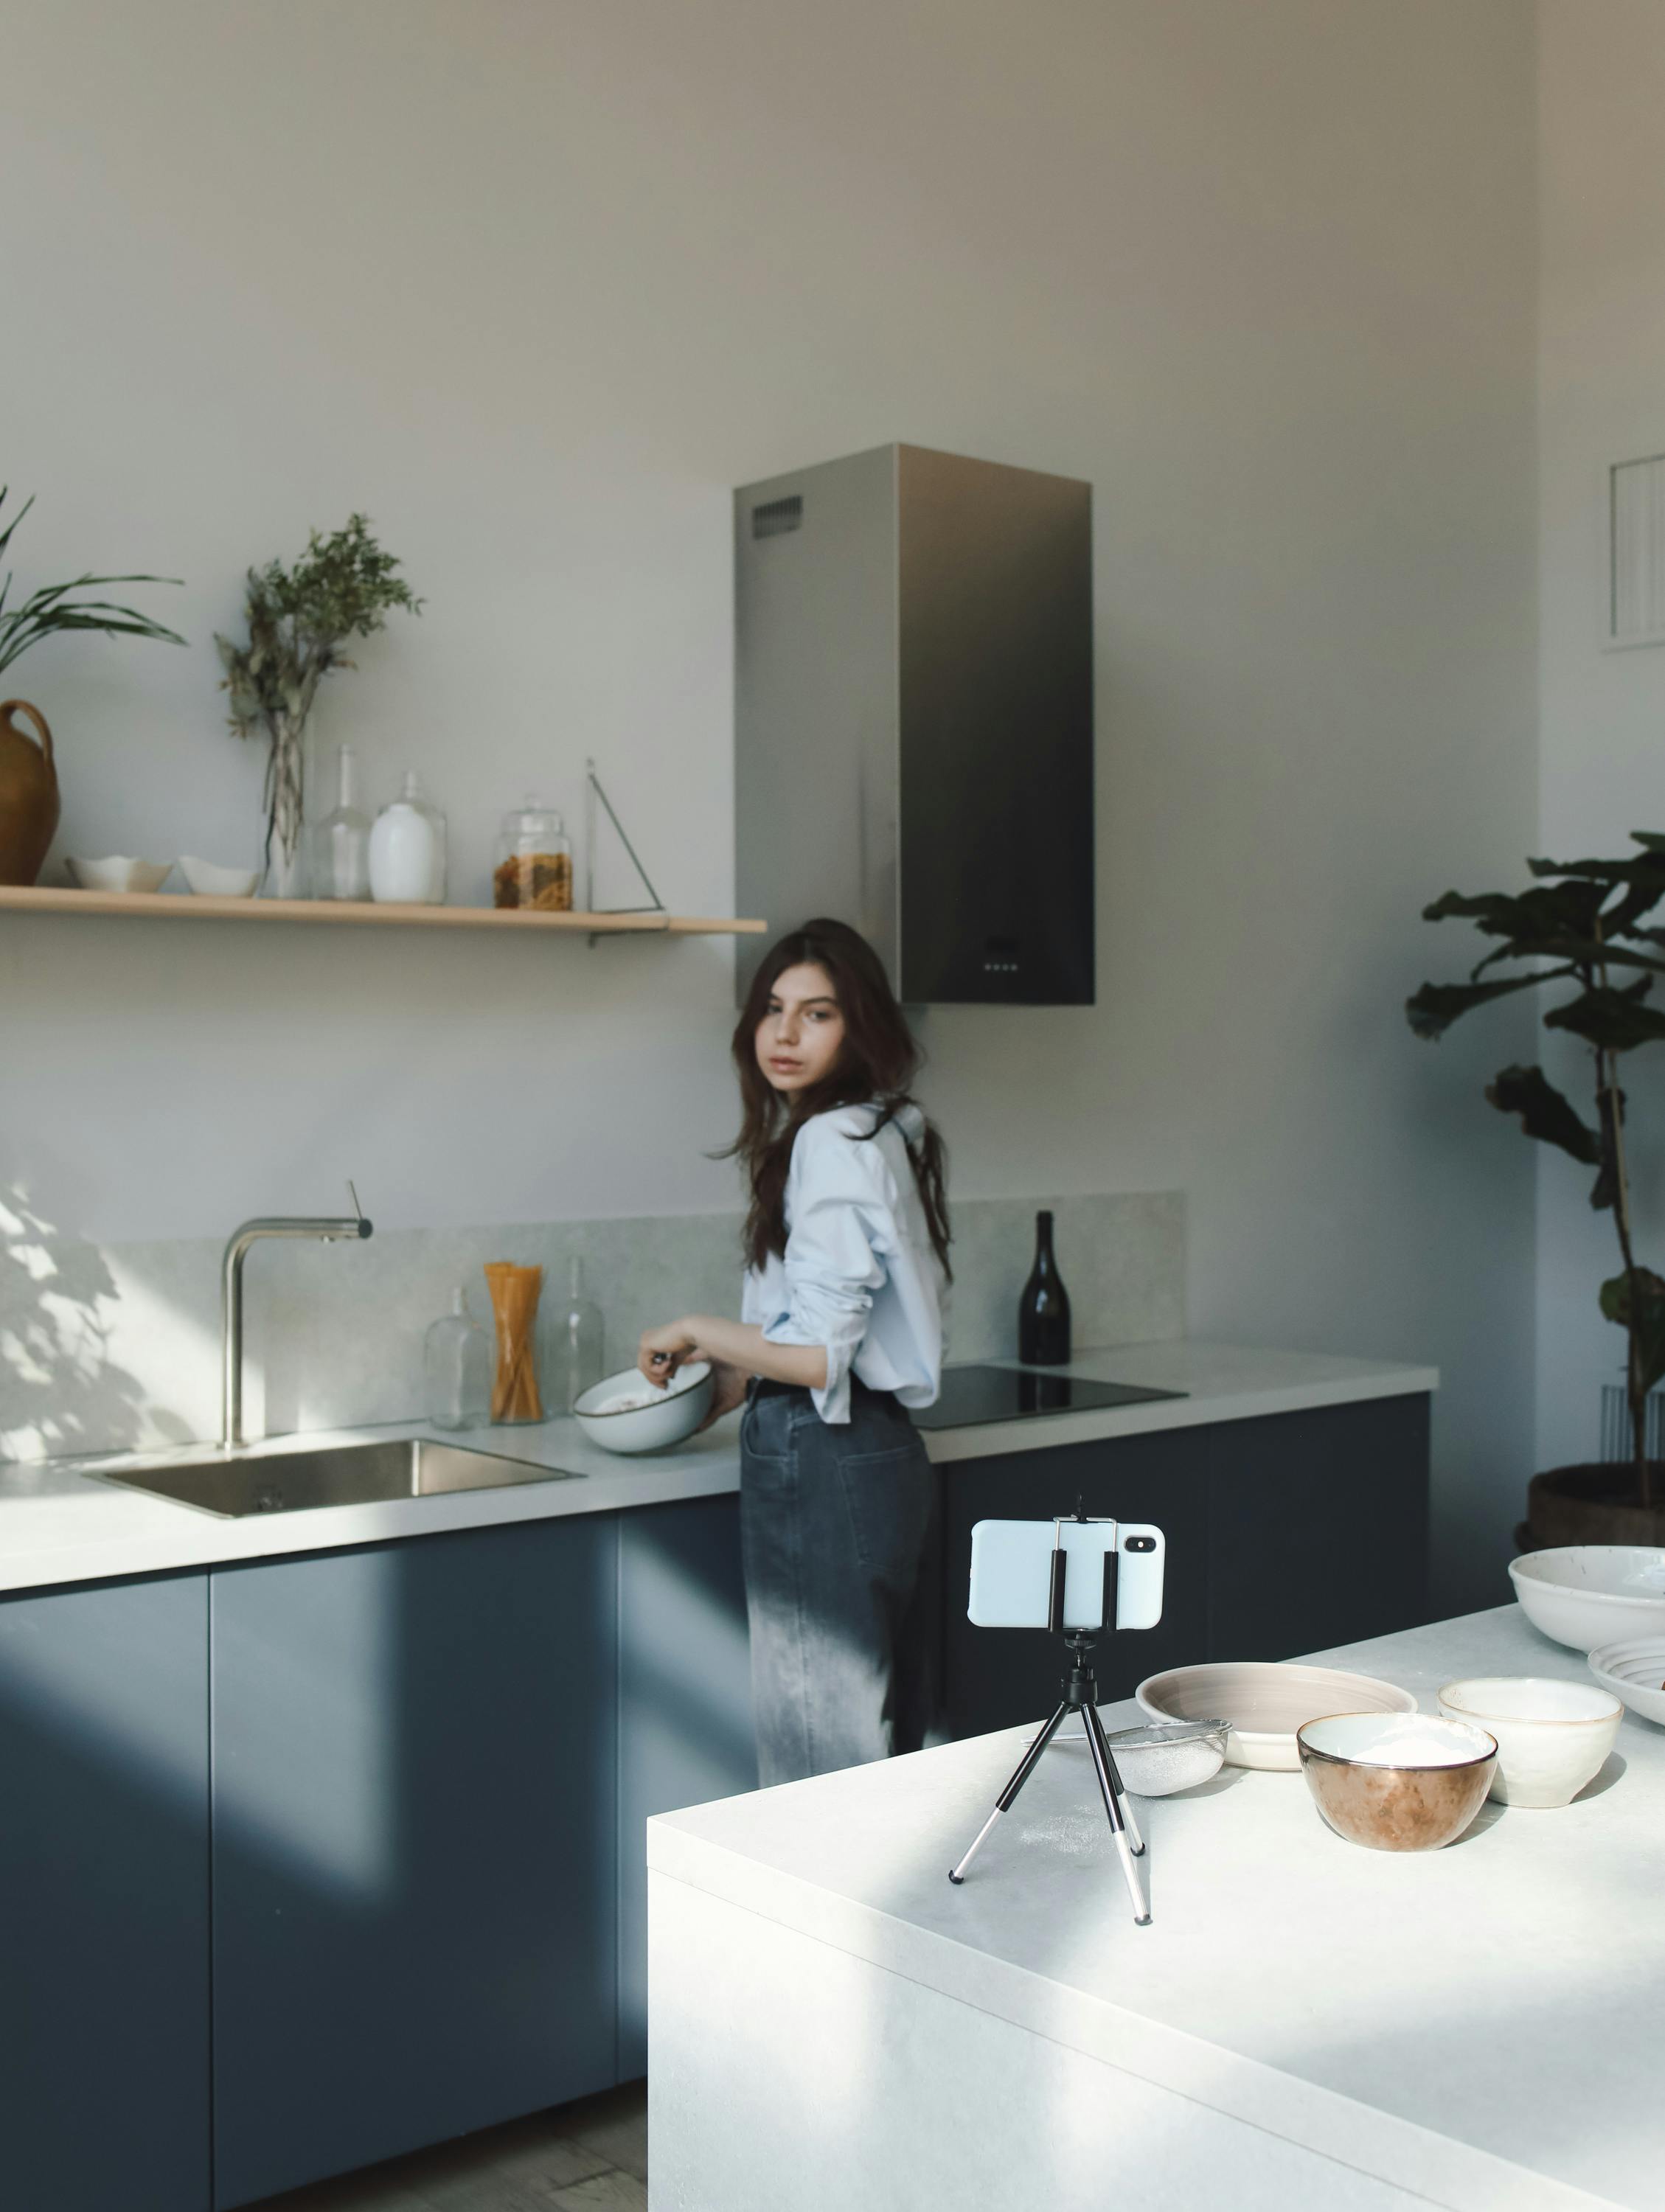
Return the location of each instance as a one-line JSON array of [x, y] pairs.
[[118, 872], [1264, 1704], [209, 880], [1634, 1672], [1585, 1594], [1552, 1737], [628, 1413]]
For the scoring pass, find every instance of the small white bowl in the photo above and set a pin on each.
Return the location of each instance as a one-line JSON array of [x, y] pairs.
[[119, 873], [1552, 1737], [1264, 1704], [1588, 1593], [1634, 1672], [668, 1418], [209, 880], [1165, 1756]]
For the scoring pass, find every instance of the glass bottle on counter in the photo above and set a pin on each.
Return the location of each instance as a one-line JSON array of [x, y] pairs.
[[534, 860], [575, 1345], [455, 1361], [341, 841], [1043, 1311]]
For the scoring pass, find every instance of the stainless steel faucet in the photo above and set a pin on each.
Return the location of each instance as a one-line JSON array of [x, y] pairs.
[[328, 1231]]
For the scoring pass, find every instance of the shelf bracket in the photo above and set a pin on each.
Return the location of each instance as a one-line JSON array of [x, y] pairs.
[[593, 792]]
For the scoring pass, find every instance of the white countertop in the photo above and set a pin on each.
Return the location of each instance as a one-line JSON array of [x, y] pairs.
[[59, 1524], [1480, 2026]]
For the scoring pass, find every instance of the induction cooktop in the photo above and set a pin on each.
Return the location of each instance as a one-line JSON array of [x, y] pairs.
[[971, 1395]]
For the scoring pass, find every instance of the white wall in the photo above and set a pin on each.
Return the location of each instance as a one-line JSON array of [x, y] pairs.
[[1603, 734], [535, 285]]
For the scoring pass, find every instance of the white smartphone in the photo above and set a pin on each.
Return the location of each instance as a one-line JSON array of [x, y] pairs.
[[1011, 1573]]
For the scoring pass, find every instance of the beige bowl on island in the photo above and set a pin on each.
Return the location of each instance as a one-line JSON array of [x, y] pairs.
[[1397, 1782], [1552, 1737], [1264, 1702]]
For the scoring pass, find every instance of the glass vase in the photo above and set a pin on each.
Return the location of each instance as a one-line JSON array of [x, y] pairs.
[[285, 803]]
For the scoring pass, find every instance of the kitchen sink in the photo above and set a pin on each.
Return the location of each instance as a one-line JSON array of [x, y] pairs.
[[329, 1474]]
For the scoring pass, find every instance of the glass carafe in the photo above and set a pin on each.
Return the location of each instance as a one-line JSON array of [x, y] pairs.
[[341, 841]]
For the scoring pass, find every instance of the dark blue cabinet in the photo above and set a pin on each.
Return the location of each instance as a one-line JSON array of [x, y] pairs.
[[415, 1834], [1318, 1528], [104, 1889], [997, 1677], [685, 1705], [1286, 1535]]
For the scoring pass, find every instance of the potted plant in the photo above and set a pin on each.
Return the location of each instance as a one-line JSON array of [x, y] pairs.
[[299, 619], [1587, 920], [28, 778]]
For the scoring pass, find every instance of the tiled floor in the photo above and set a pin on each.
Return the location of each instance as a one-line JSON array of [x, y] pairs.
[[588, 2157]]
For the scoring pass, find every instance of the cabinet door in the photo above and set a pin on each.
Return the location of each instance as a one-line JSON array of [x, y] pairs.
[[1318, 1528], [684, 1705], [104, 1937], [999, 1677], [414, 1834]]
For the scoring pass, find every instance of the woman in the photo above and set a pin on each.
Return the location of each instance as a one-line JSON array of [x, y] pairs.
[[840, 1332]]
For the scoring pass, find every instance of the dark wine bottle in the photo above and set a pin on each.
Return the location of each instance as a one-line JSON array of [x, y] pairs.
[[1043, 1311]]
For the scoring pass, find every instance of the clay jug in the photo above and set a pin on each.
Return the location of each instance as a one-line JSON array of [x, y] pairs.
[[28, 793]]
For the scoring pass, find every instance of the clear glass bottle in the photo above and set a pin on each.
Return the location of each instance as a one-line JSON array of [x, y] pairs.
[[407, 850], [341, 841], [534, 860], [575, 1345], [456, 1361]]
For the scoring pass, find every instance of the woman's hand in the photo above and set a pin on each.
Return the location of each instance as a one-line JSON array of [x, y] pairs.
[[728, 1390], [662, 1351]]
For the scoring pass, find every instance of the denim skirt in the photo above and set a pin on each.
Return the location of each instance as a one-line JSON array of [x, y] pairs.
[[833, 1521]]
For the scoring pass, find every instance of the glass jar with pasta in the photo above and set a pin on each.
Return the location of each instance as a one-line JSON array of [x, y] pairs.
[[534, 864]]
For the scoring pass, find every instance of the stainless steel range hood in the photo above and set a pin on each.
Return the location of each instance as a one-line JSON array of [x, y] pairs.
[[913, 719]]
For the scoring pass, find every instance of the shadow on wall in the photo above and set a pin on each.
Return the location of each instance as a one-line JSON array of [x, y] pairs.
[[61, 1391]]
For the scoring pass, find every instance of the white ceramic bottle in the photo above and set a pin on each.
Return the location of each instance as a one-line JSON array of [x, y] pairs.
[[407, 850]]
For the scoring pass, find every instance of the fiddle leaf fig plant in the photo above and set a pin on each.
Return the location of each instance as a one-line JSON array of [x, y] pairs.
[[1587, 920], [56, 607], [299, 619]]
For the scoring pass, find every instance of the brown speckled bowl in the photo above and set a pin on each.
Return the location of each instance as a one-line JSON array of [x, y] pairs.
[[1397, 1782]]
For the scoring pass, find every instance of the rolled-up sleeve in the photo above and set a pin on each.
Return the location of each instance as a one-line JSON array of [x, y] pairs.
[[843, 1215]]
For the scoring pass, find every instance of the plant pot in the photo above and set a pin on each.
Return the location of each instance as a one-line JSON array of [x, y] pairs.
[[1595, 1503], [28, 793]]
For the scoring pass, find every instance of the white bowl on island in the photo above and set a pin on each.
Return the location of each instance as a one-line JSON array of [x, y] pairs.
[[1586, 1594], [1552, 1737], [628, 1413], [1634, 1672]]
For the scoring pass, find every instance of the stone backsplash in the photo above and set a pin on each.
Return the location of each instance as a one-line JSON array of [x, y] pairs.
[[116, 1347]]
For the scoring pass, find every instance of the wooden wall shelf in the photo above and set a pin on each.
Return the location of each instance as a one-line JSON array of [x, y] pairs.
[[186, 907]]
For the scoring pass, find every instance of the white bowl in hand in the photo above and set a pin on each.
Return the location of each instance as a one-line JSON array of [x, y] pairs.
[[1588, 1593], [1552, 1737], [628, 1413]]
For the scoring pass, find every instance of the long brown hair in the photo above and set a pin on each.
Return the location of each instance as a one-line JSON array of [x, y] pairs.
[[876, 1067]]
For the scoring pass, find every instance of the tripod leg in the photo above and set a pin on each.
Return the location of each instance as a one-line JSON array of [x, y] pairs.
[[1008, 1798], [1118, 1828], [1135, 1841]]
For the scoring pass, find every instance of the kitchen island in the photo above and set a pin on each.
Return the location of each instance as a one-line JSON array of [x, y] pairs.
[[1305, 2024]]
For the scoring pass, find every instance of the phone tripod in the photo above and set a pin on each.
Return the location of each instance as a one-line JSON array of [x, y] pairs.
[[1080, 1696]]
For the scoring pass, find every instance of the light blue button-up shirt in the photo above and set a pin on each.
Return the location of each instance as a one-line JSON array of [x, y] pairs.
[[860, 1277]]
